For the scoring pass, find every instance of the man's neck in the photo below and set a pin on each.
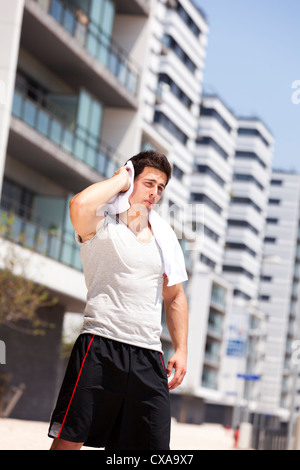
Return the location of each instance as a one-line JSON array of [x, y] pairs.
[[137, 219]]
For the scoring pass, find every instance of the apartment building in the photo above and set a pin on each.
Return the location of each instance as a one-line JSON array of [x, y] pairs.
[[88, 85], [244, 336], [74, 80], [278, 296], [211, 182], [173, 89]]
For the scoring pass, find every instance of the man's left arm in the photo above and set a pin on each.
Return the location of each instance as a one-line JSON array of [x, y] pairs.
[[176, 310]]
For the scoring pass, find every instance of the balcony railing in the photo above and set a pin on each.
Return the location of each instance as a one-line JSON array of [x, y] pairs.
[[48, 242], [100, 157], [96, 42]]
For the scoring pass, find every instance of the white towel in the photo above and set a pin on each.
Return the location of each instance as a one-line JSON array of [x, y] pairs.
[[174, 264]]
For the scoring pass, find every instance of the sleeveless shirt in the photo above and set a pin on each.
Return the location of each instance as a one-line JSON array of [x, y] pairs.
[[124, 279]]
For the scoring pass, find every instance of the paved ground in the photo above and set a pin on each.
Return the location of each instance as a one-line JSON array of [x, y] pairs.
[[32, 435]]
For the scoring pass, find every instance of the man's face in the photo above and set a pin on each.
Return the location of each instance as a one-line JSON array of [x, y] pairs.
[[148, 187]]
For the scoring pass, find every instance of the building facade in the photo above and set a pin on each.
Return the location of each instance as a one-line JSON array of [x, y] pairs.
[[279, 294], [87, 84], [74, 83]]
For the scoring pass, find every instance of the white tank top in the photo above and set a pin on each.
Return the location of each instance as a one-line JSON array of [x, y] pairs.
[[124, 278]]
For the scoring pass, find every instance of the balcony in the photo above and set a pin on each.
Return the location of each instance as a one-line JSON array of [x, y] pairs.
[[75, 49], [39, 234], [133, 7], [42, 117]]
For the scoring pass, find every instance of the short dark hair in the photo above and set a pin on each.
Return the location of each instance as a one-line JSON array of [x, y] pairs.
[[153, 159]]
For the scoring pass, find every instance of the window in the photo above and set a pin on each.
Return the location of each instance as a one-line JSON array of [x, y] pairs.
[[270, 240], [264, 298], [250, 156], [183, 98], [240, 246], [210, 112], [271, 220], [204, 169], [100, 29], [177, 172], [238, 270], [241, 294], [159, 117], [246, 200], [265, 278], [198, 197], [248, 178], [212, 143], [276, 182], [253, 132], [188, 20], [242, 224], [211, 234], [17, 198], [207, 261], [172, 44], [274, 202]]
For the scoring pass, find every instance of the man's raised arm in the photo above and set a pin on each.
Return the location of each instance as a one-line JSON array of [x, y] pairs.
[[85, 205]]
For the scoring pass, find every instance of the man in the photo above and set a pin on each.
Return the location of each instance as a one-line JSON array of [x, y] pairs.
[[116, 392]]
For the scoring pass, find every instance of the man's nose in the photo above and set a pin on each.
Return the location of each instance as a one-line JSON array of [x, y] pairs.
[[154, 192]]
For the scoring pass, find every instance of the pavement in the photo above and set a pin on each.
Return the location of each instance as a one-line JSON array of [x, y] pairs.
[[32, 435]]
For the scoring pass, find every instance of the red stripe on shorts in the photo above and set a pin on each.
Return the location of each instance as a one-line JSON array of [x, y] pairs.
[[162, 362], [74, 390]]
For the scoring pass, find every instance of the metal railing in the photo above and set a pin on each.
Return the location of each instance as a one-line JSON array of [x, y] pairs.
[[95, 41], [51, 242], [100, 157]]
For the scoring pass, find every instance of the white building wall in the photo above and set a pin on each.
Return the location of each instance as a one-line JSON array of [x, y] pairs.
[[245, 282], [277, 289], [10, 30]]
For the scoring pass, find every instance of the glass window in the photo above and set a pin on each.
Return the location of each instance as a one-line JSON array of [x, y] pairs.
[[55, 131], [113, 63], [96, 117], [29, 113], [90, 156], [17, 104], [101, 163], [67, 141], [103, 50], [108, 18], [95, 10], [43, 123], [83, 110], [69, 22], [92, 44], [79, 150], [56, 10]]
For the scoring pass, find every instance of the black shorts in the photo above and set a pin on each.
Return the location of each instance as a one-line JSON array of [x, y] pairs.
[[115, 396]]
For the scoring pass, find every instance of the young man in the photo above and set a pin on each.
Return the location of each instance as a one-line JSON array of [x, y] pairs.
[[115, 393]]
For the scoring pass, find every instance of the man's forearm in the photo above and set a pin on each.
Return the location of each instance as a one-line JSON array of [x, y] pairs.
[[86, 208], [177, 321]]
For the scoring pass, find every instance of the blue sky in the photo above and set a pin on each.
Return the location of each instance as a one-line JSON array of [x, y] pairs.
[[253, 57]]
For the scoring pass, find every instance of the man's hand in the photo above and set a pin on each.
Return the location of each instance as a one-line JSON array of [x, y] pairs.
[[123, 171], [177, 362]]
